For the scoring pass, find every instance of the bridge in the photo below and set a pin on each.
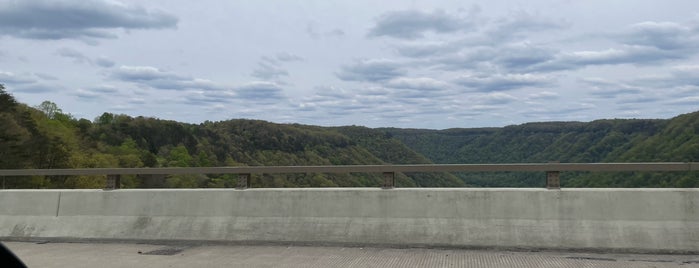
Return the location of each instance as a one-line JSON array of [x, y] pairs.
[[618, 220]]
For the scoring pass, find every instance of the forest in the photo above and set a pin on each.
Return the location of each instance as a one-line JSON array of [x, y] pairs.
[[45, 137]]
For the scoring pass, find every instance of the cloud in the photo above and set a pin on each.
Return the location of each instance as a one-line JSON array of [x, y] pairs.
[[12, 78], [313, 32], [259, 91], [86, 94], [679, 76], [79, 57], [413, 24], [156, 78], [73, 54], [603, 88], [544, 95], [89, 19], [496, 98], [693, 101], [638, 100], [287, 57], [103, 62], [269, 71], [661, 35], [371, 70], [36, 88], [45, 76], [427, 49], [520, 56], [502, 82], [419, 83], [208, 97], [612, 56], [256, 92], [516, 24], [642, 43], [271, 68], [96, 92]]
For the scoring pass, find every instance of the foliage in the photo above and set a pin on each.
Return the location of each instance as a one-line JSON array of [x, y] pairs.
[[45, 137]]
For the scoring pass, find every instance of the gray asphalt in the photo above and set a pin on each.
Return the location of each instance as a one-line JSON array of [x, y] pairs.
[[150, 255]]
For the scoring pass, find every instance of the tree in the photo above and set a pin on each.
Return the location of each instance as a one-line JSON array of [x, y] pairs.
[[50, 109], [7, 102]]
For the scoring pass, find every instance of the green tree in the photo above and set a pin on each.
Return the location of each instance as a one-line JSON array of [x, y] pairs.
[[50, 109]]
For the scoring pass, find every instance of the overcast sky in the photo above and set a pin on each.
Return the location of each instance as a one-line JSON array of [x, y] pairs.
[[418, 64]]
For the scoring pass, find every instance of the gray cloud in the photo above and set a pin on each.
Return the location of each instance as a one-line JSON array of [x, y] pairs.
[[36, 88], [12, 78], [259, 91], [313, 32], [97, 92], [691, 101], [427, 49], [371, 70], [519, 23], [156, 78], [661, 35], [638, 100], [272, 69], [285, 56], [495, 42], [543, 95], [679, 76], [419, 83], [203, 98], [503, 82], [412, 24], [105, 89], [79, 57], [496, 98], [522, 55], [89, 19], [269, 71], [103, 62], [613, 56], [606, 89], [45, 76], [86, 94], [642, 43], [73, 54]]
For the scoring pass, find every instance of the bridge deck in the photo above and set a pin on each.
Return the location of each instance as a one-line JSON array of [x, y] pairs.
[[184, 255]]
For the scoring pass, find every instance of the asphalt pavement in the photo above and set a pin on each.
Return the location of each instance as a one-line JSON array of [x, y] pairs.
[[49, 254]]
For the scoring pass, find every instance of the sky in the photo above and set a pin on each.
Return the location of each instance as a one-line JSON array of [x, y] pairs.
[[412, 64]]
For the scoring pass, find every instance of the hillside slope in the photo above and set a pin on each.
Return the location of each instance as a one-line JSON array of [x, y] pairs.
[[616, 140]]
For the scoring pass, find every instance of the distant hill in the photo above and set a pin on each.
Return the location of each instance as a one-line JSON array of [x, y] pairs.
[[45, 137], [614, 140]]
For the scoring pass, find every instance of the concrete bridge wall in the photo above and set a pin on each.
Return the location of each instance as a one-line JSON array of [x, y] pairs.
[[643, 220]]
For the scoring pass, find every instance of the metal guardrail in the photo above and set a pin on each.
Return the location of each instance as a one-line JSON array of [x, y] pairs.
[[552, 170]]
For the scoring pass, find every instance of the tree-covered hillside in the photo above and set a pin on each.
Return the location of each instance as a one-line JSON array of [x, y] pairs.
[[616, 140], [45, 137]]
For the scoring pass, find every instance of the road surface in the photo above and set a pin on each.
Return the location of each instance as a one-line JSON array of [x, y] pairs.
[[49, 254]]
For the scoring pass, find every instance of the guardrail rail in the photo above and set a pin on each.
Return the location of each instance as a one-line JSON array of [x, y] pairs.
[[552, 170]]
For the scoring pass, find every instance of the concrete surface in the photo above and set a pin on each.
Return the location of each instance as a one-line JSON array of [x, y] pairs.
[[631, 220], [183, 255]]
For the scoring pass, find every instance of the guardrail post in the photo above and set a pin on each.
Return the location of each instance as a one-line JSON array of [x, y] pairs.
[[113, 182], [389, 180], [243, 181], [553, 179]]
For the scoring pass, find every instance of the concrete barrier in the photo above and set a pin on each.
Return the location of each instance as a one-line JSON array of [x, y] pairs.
[[640, 220]]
